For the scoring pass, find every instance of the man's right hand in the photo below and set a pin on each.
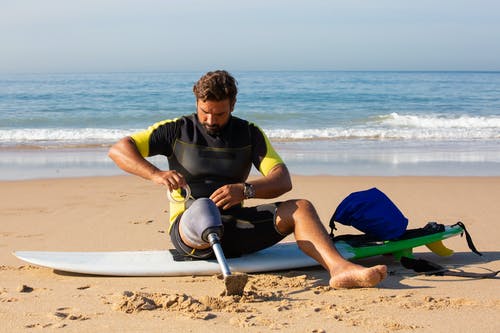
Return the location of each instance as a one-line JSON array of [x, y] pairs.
[[171, 179]]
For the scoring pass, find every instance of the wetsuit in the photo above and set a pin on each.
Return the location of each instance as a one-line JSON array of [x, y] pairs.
[[208, 162]]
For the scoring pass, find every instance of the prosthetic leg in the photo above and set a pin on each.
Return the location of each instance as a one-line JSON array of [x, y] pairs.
[[201, 225]]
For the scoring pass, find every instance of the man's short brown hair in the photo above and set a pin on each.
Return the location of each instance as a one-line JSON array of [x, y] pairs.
[[216, 86]]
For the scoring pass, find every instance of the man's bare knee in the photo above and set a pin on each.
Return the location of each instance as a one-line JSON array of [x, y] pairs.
[[292, 212]]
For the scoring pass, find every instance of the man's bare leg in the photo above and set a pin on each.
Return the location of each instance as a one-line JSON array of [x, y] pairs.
[[300, 217]]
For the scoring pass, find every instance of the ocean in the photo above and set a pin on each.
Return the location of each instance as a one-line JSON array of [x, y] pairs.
[[321, 122]]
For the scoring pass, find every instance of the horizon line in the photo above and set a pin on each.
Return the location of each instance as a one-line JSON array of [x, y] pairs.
[[257, 71]]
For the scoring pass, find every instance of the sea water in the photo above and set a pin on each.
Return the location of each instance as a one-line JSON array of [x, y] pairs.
[[321, 122]]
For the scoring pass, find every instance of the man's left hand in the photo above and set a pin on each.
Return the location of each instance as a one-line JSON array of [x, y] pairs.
[[228, 196]]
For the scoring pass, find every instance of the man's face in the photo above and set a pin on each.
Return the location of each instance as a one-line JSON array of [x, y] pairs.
[[213, 115]]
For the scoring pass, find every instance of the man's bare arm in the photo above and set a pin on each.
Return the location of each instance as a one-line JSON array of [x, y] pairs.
[[127, 157]]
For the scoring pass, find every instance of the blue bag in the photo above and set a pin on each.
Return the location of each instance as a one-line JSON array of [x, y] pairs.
[[371, 212]]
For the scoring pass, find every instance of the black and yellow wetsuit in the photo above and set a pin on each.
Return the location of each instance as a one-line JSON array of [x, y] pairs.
[[208, 162]]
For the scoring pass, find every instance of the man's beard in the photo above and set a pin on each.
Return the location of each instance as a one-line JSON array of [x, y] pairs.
[[212, 130]]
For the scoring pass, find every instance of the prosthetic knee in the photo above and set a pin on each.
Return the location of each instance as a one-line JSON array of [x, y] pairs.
[[201, 219]]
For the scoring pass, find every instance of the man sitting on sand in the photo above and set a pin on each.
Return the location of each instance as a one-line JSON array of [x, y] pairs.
[[212, 151]]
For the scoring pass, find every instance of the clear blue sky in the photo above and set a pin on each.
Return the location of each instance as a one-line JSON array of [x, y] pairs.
[[177, 35]]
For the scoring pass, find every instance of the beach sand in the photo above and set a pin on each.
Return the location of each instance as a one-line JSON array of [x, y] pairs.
[[127, 213]]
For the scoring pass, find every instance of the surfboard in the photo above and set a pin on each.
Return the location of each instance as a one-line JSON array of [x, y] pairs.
[[281, 256]]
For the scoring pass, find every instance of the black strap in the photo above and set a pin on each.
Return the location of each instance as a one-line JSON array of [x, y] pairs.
[[332, 227], [468, 238], [421, 265], [430, 268], [490, 275]]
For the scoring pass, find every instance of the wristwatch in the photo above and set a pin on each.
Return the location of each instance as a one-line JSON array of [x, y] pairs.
[[248, 191]]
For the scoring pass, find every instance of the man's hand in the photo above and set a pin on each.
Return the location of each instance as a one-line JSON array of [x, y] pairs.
[[228, 196], [171, 179]]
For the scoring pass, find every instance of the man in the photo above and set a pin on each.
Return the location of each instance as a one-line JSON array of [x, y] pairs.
[[212, 151]]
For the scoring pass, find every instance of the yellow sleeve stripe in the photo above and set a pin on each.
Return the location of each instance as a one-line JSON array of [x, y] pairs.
[[141, 139], [271, 159]]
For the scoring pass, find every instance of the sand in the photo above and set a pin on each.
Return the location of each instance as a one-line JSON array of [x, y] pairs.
[[127, 213]]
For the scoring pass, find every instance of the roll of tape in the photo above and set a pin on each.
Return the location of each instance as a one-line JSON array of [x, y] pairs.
[[184, 199]]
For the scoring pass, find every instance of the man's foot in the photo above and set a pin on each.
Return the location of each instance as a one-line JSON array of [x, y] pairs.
[[358, 277]]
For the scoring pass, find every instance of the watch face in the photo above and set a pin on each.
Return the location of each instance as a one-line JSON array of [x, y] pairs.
[[249, 191]]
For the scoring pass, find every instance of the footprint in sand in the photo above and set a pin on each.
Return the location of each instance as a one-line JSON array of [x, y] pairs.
[[142, 222]]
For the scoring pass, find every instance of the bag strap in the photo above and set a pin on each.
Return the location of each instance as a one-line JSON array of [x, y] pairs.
[[332, 227], [332, 223]]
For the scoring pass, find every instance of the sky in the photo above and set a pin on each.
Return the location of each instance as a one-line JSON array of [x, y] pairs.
[[196, 35]]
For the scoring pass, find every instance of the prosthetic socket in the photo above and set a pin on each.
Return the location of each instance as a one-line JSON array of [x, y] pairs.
[[201, 219]]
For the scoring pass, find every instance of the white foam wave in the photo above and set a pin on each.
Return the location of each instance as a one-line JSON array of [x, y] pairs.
[[391, 126], [62, 135], [395, 126], [385, 133], [432, 122]]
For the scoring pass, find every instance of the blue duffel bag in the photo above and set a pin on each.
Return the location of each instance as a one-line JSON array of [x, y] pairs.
[[371, 212]]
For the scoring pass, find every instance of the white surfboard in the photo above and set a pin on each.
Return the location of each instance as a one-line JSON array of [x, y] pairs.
[[278, 257], [162, 263]]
